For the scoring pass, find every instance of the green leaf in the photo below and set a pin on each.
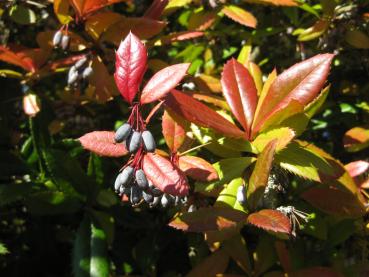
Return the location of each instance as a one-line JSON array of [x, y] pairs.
[[340, 232], [10, 193], [227, 169], [282, 135], [260, 174], [315, 227], [22, 15], [90, 251], [10, 74], [315, 31], [106, 222], [228, 196], [95, 168], [52, 202], [3, 249], [311, 109], [106, 198], [264, 255]]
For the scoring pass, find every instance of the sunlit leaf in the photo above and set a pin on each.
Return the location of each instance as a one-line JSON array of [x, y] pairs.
[[98, 23], [61, 9], [174, 130], [315, 31], [240, 15], [197, 168], [283, 135], [356, 139], [270, 220]]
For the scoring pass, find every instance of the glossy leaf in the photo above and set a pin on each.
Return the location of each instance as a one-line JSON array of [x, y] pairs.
[[130, 66], [275, 2], [311, 109], [240, 92], [334, 201], [228, 196], [164, 175], [301, 82], [102, 143], [83, 7], [156, 9], [213, 265], [208, 83], [61, 9], [357, 168], [174, 130], [162, 82], [208, 219], [270, 220], [356, 139], [200, 114], [315, 31], [178, 36], [197, 168], [259, 177], [211, 99], [282, 135], [97, 24], [201, 20], [240, 15]]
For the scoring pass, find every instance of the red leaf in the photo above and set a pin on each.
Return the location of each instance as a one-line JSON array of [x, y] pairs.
[[130, 66], [270, 220], [102, 143], [173, 131], [208, 219], [156, 9], [180, 36], [200, 114], [84, 7], [163, 81], [334, 201], [240, 92], [357, 168], [197, 168], [301, 82], [164, 175]]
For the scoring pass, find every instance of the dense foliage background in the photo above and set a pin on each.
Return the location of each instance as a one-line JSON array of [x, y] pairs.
[[59, 215]]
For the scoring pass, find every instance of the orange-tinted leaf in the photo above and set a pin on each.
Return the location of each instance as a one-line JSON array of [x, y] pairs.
[[197, 168], [179, 36], [211, 99], [301, 82], [213, 265], [61, 9], [240, 15], [356, 139], [270, 220], [163, 81], [207, 83], [240, 92], [274, 2], [316, 271], [156, 9], [200, 21], [84, 7], [165, 175], [334, 201], [174, 130], [200, 114], [357, 168], [208, 219], [102, 143], [98, 23], [130, 66], [260, 174], [142, 27]]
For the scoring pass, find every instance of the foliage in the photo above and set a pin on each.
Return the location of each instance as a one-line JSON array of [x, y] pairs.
[[257, 150]]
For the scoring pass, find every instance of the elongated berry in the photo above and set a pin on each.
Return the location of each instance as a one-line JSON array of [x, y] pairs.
[[141, 179], [241, 195], [154, 190], [87, 72], [165, 201], [81, 62], [117, 183], [191, 208], [126, 176], [134, 142], [149, 198], [65, 42], [155, 202], [136, 194], [72, 78], [125, 190], [57, 38], [148, 141], [123, 132]]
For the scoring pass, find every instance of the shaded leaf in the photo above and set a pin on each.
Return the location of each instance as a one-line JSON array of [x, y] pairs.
[[274, 2], [208, 83], [97, 24], [197, 168], [61, 10], [200, 114], [164, 175], [357, 39], [102, 143], [174, 130], [260, 174], [301, 82], [162, 82], [270, 220], [208, 219], [130, 66], [201, 20], [22, 15], [316, 271], [240, 92], [156, 9], [240, 15], [237, 249], [334, 201], [212, 265]]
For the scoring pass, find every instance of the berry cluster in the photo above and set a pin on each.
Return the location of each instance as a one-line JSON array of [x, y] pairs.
[[61, 39], [81, 70]]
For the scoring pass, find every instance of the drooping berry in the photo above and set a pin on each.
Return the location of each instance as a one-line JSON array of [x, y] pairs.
[[191, 208], [123, 132], [241, 195], [126, 176], [148, 141], [134, 142], [57, 38], [72, 75], [65, 42], [165, 201], [87, 72], [149, 198], [141, 179], [155, 202], [136, 194], [81, 62], [154, 190]]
